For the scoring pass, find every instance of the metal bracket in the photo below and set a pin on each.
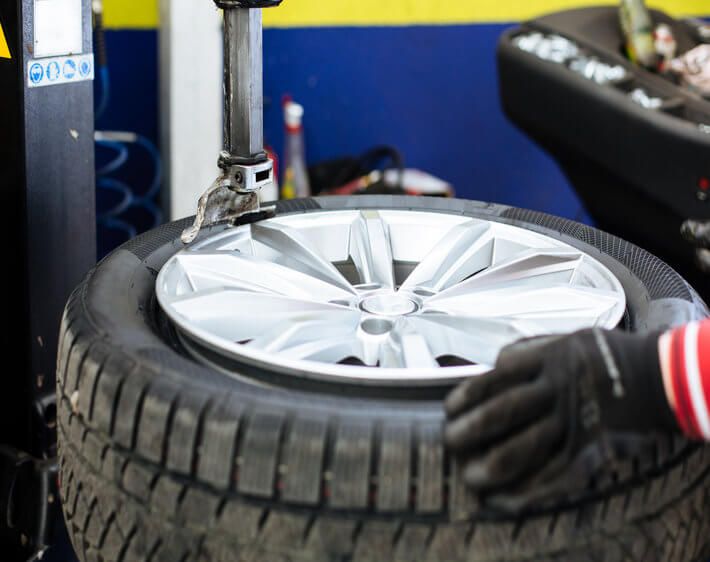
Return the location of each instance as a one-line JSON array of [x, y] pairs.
[[233, 195], [29, 503], [249, 178]]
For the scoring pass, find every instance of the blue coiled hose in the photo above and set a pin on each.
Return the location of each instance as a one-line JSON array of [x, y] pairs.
[[120, 143]]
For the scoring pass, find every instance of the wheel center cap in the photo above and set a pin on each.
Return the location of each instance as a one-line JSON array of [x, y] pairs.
[[388, 305]]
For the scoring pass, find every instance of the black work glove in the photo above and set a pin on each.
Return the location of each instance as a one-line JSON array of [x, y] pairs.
[[542, 423], [698, 234]]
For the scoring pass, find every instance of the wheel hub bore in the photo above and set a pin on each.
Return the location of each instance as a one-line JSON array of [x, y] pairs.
[[390, 304]]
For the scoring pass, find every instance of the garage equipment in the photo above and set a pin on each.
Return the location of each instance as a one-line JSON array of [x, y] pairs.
[[637, 26], [633, 144], [244, 163], [221, 400], [47, 181]]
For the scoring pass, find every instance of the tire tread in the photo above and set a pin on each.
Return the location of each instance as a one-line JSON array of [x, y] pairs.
[[157, 468]]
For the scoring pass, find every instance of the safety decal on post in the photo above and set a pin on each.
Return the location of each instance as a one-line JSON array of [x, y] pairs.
[[60, 70], [4, 48]]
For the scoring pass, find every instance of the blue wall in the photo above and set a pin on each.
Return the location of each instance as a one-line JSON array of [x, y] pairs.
[[430, 91], [133, 64]]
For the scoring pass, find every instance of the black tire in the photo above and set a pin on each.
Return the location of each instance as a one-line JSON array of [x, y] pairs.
[[163, 459]]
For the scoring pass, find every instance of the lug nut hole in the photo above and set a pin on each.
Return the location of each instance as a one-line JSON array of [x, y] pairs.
[[368, 287], [377, 326], [424, 293]]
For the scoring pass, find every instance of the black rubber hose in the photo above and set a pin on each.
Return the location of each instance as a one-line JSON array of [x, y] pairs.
[[100, 36]]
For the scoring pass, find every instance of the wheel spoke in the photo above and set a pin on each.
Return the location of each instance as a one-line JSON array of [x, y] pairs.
[[406, 348], [478, 340], [333, 325], [207, 270], [464, 250], [241, 315], [531, 267], [371, 249], [327, 350], [293, 250], [554, 308]]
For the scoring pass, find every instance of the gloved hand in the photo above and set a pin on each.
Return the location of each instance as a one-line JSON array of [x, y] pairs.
[[698, 233], [539, 424]]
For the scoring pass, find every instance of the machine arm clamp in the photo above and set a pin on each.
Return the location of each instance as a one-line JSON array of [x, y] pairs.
[[230, 4]]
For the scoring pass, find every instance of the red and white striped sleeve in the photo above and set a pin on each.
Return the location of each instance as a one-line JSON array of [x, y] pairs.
[[685, 362]]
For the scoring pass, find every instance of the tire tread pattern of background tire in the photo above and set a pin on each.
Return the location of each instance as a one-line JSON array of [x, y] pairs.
[[157, 468]]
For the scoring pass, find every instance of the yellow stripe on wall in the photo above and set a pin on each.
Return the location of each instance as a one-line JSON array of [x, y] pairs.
[[143, 14], [299, 13], [132, 14]]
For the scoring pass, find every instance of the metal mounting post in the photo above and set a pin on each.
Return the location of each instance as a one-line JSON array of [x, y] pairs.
[[243, 85], [244, 164]]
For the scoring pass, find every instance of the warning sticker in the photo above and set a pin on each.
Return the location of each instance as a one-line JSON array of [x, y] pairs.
[[60, 70], [4, 48]]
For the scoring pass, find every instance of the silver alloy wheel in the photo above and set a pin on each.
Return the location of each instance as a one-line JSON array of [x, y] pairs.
[[333, 294]]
